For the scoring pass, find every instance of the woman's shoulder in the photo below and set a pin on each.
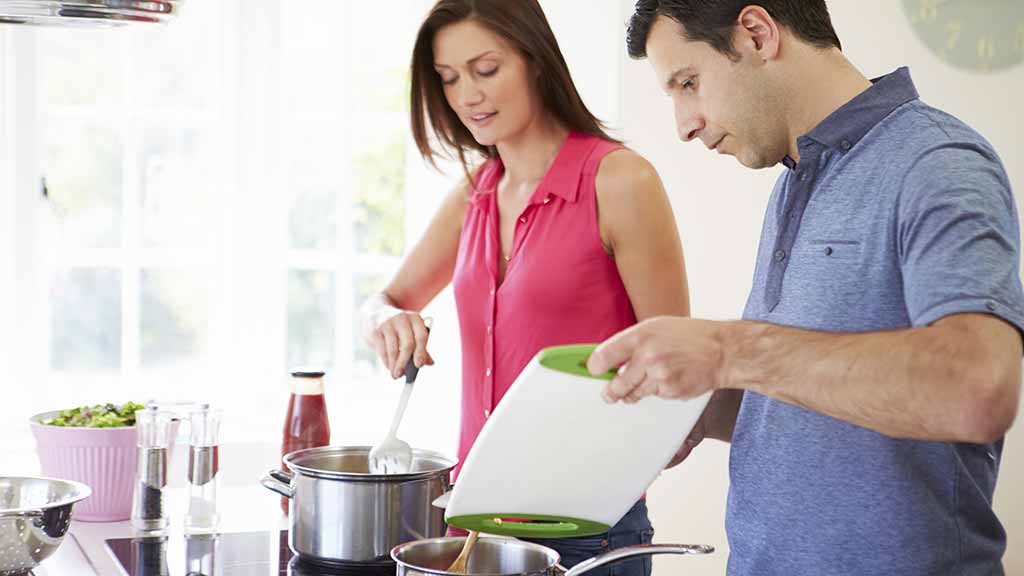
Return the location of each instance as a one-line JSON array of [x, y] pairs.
[[611, 158], [624, 172]]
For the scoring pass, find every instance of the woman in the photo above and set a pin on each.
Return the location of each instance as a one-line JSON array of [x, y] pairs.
[[560, 236]]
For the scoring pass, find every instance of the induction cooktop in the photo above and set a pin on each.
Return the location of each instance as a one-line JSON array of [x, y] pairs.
[[229, 554]]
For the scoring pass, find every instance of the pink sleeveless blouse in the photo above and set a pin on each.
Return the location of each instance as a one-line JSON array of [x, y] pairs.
[[560, 285]]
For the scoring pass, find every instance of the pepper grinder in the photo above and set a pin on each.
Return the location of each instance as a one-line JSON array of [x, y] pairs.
[[203, 466], [153, 439]]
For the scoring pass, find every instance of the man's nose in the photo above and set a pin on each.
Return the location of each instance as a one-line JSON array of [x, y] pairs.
[[688, 123]]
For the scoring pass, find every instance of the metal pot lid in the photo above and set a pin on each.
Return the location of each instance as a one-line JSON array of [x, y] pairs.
[[88, 13], [352, 463]]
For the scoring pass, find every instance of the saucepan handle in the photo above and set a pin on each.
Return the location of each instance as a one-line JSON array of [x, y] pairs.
[[442, 500], [278, 481], [638, 550]]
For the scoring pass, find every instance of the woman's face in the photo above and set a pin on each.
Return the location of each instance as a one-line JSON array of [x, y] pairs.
[[486, 80]]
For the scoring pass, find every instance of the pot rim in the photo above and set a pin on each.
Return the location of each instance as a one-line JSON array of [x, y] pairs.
[[447, 465], [397, 550]]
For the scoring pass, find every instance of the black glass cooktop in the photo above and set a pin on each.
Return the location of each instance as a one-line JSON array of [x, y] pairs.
[[232, 554]]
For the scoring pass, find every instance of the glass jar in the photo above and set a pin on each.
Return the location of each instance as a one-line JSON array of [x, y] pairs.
[[306, 424]]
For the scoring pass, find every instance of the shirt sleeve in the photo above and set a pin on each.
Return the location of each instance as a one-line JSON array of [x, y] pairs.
[[959, 236]]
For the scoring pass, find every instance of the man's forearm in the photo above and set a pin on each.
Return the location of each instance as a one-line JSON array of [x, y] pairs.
[[952, 382], [720, 414]]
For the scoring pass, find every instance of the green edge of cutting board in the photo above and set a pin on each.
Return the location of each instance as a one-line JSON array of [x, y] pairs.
[[572, 359], [536, 525]]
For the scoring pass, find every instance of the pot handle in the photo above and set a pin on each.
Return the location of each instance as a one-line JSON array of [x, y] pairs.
[[442, 500], [278, 481], [638, 550]]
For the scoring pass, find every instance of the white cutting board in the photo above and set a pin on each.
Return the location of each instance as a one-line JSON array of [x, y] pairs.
[[553, 448]]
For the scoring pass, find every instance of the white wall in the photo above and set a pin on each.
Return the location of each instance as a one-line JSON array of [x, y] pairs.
[[719, 206]]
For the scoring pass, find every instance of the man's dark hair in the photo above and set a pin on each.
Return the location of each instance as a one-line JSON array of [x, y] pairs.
[[712, 21]]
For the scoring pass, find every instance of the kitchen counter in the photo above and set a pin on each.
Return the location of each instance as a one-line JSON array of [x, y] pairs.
[[68, 559], [244, 506], [84, 551]]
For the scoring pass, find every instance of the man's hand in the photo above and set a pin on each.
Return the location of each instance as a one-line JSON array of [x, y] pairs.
[[668, 357], [696, 437], [716, 422]]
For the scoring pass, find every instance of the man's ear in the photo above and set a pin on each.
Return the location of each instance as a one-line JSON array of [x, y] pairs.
[[756, 28]]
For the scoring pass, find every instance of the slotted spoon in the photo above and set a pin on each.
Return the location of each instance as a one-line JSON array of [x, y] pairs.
[[392, 455]]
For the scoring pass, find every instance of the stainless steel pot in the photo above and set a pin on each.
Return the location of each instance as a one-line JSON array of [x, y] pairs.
[[508, 557], [342, 513], [35, 513]]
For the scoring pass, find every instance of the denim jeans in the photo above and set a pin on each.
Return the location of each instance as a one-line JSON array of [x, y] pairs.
[[634, 528]]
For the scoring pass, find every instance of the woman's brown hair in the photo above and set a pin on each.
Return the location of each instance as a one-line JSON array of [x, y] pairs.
[[520, 22]]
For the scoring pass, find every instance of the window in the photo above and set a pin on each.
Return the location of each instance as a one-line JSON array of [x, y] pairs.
[[198, 207], [221, 194]]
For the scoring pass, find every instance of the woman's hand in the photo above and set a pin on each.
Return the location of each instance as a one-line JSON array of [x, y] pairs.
[[399, 335]]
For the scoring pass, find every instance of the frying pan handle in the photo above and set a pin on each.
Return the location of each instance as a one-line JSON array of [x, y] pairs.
[[639, 550], [278, 481]]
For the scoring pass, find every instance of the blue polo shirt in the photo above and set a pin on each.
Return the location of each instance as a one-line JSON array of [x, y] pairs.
[[897, 215]]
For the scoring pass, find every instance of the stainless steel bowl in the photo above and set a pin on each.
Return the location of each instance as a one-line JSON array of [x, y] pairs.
[[35, 513]]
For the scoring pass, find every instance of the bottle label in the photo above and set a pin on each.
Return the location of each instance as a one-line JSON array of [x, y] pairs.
[[307, 386]]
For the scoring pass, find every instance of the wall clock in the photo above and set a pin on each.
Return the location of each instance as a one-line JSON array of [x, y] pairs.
[[985, 35]]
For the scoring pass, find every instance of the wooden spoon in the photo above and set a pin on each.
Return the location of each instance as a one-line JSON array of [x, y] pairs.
[[459, 566]]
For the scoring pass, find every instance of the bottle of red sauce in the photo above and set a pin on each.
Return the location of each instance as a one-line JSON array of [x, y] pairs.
[[306, 424]]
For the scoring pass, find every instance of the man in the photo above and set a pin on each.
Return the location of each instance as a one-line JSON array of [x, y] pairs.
[[867, 391]]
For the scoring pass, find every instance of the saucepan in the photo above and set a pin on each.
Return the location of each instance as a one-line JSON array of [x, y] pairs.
[[510, 557], [341, 513]]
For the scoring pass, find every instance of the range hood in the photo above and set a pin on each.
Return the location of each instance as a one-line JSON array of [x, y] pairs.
[[88, 13]]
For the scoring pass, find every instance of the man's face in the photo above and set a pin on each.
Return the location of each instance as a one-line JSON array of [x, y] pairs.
[[730, 106]]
